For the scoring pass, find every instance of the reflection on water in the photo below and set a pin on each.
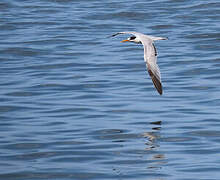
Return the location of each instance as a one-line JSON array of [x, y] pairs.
[[157, 159], [144, 157]]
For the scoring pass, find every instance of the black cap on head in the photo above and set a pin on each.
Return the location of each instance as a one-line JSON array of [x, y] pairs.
[[132, 38]]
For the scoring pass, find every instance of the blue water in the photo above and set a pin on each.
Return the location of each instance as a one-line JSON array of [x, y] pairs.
[[76, 104]]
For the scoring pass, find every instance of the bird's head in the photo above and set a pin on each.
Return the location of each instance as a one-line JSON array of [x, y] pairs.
[[132, 39]]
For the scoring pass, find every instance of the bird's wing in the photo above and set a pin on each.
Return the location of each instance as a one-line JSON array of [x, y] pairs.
[[154, 73], [150, 57], [128, 32]]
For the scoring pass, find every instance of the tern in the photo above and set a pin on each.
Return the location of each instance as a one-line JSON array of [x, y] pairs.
[[150, 54]]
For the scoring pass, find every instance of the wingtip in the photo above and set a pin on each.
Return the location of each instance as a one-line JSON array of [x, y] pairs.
[[159, 89], [156, 82], [113, 35]]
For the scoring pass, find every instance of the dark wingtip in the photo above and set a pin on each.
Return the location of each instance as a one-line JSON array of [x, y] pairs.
[[113, 35], [156, 82], [159, 89]]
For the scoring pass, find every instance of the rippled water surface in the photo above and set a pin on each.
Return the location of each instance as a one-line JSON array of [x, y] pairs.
[[76, 104]]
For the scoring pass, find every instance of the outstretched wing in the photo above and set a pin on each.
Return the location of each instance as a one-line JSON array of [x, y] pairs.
[[127, 32], [150, 57], [154, 73]]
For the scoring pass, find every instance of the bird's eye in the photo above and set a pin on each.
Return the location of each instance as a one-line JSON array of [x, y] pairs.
[[132, 37]]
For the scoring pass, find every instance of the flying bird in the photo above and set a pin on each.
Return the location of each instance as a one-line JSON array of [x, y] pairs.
[[150, 54]]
